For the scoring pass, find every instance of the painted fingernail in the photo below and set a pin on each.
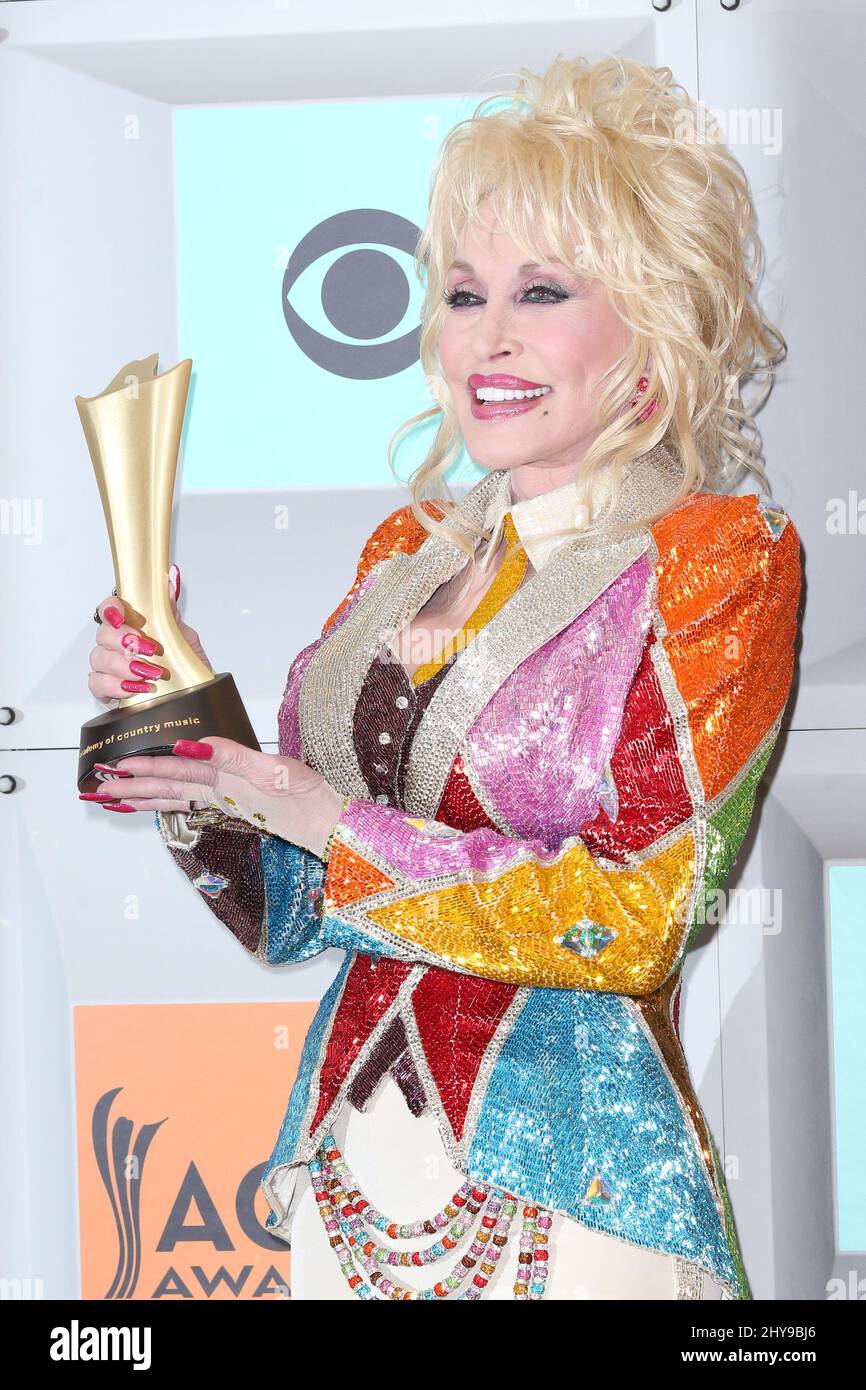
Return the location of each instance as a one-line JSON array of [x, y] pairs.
[[119, 806], [115, 771], [135, 643], [189, 748], [113, 615], [146, 668], [97, 796], [174, 578], [134, 687]]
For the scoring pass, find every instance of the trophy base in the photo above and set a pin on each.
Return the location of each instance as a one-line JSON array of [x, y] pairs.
[[154, 726]]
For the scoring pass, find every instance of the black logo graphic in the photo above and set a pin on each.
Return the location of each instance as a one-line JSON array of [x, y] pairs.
[[121, 1176], [121, 1167]]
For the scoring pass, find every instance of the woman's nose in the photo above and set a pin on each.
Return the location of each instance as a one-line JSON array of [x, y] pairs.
[[493, 336]]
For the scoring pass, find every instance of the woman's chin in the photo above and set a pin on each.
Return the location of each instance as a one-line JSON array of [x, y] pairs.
[[491, 459]]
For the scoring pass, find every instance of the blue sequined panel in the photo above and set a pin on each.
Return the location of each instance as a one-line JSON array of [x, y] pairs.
[[579, 1115]]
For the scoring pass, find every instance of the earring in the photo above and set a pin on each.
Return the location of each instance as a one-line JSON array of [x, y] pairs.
[[648, 409]]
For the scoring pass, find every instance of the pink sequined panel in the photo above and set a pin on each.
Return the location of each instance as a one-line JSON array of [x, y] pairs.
[[484, 850], [539, 746]]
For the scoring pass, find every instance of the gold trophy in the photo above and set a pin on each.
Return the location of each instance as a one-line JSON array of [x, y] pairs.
[[133, 430]]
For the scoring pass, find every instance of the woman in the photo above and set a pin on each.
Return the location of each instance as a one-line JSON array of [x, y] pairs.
[[519, 762]]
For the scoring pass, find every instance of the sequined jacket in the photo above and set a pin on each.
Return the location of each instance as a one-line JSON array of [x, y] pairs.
[[537, 824]]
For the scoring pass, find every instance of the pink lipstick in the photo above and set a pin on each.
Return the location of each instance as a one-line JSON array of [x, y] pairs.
[[503, 395]]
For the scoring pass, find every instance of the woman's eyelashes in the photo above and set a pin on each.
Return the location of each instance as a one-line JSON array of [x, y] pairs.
[[553, 292]]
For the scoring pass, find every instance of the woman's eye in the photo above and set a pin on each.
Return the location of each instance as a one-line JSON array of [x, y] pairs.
[[456, 297], [551, 294], [554, 292]]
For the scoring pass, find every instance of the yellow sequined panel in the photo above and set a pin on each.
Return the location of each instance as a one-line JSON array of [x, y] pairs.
[[508, 580], [399, 532], [537, 923], [728, 590]]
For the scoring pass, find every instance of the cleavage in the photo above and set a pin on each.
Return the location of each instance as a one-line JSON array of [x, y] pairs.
[[422, 638]]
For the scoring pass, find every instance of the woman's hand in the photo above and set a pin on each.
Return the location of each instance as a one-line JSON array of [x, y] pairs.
[[120, 663], [281, 796]]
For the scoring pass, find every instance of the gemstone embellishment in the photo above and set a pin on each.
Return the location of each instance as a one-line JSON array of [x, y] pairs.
[[775, 516], [598, 1193], [608, 798], [210, 884], [586, 938]]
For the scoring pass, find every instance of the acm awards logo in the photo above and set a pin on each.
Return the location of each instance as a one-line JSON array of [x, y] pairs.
[[365, 294], [122, 1151]]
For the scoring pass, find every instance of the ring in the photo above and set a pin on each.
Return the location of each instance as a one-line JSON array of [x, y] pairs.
[[96, 617]]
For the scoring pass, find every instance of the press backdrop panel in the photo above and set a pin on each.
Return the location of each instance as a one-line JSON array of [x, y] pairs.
[[847, 884], [298, 300], [178, 1109]]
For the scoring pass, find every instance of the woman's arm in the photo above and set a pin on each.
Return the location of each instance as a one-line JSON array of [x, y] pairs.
[[613, 908], [267, 891], [516, 911]]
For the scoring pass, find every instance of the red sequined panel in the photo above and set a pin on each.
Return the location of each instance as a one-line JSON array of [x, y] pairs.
[[459, 806], [653, 797], [457, 1017], [367, 993], [391, 1053]]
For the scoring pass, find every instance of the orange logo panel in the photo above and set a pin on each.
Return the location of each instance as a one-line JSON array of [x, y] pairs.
[[178, 1109]]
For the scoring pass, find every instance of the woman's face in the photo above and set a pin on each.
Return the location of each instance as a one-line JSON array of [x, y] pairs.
[[545, 325]]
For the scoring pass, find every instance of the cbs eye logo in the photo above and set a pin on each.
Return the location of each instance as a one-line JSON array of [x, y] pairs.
[[365, 294]]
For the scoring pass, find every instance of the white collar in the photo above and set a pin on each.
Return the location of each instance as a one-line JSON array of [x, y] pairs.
[[535, 517]]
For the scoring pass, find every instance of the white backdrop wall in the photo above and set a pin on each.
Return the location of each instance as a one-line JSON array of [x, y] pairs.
[[88, 280]]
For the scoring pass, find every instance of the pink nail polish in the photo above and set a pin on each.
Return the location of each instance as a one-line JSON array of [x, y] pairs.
[[119, 806], [135, 687], [142, 646], [113, 615], [189, 748], [97, 796], [147, 669], [115, 771]]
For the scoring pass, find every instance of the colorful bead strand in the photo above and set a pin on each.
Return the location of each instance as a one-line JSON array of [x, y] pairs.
[[364, 1251], [467, 1193], [346, 1213], [356, 1205], [533, 1258]]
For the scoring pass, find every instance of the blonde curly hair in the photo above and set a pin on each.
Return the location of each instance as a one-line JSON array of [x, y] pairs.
[[612, 168]]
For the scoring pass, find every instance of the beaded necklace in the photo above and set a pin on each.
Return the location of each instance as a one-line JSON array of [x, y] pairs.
[[347, 1214]]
